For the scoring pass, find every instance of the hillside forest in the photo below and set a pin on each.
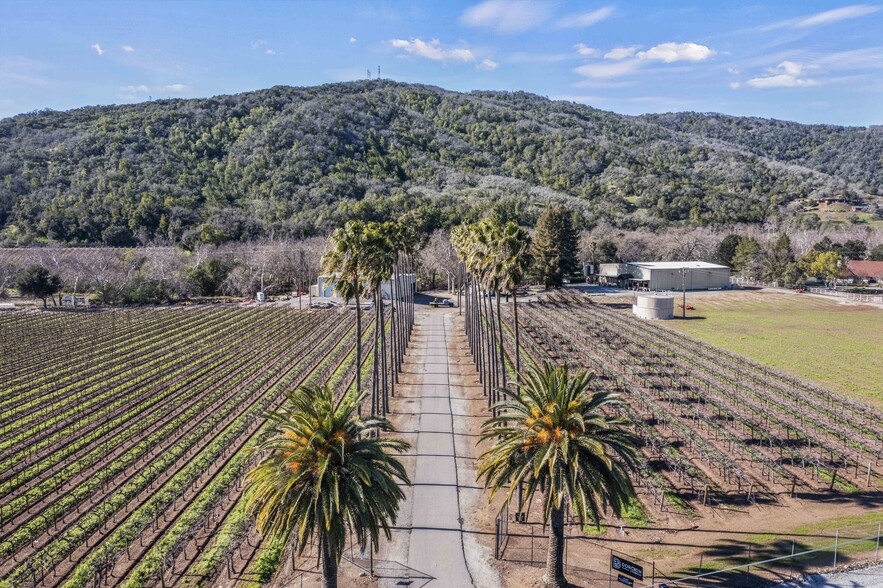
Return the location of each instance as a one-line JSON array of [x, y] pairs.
[[291, 163]]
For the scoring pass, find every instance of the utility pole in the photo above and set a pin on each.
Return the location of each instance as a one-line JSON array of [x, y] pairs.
[[684, 292]]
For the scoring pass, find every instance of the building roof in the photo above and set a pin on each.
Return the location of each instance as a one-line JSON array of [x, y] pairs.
[[676, 265], [863, 269]]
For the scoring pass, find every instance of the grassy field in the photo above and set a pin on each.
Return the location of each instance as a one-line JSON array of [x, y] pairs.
[[823, 341]]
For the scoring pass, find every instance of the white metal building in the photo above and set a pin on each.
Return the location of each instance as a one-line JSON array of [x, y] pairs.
[[324, 287], [667, 275]]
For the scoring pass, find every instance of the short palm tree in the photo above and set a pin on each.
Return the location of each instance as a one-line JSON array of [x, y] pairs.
[[554, 436], [325, 472]]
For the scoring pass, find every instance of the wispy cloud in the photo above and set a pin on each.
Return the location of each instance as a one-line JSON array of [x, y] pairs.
[[823, 18], [618, 53], [584, 19], [601, 70], [127, 49], [433, 50], [585, 51], [174, 89], [353, 39], [270, 52], [787, 74], [258, 44], [487, 64], [135, 89], [507, 16], [97, 49], [671, 52], [836, 15]]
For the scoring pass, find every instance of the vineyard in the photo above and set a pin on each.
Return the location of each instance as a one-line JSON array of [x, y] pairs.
[[717, 429], [124, 436]]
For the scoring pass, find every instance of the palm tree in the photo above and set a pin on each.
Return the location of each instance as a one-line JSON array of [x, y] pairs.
[[553, 435], [326, 472], [381, 251], [513, 247], [347, 262]]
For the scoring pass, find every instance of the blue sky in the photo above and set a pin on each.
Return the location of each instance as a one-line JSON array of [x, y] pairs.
[[805, 61]]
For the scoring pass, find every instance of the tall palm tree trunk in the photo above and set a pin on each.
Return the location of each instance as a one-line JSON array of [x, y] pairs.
[[502, 347], [375, 405], [517, 335], [555, 558], [384, 381], [329, 567], [358, 349], [491, 354]]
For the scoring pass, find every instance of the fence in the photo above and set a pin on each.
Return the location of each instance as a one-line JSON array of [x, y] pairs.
[[874, 298], [779, 561], [727, 563], [878, 298]]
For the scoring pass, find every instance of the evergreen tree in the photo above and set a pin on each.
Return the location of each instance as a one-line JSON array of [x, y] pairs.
[[555, 246], [726, 249], [36, 281], [778, 263], [745, 257]]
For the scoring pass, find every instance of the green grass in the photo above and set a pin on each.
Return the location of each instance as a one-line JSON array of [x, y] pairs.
[[825, 342]]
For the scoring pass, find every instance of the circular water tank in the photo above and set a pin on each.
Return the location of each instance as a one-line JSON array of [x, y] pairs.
[[654, 306]]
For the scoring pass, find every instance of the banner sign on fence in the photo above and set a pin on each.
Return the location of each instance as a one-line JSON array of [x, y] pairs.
[[625, 580], [627, 567]]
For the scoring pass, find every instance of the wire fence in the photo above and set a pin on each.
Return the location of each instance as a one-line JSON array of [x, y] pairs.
[[778, 560], [750, 560]]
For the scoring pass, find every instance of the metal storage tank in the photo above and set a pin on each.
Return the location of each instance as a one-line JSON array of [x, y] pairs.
[[650, 305]]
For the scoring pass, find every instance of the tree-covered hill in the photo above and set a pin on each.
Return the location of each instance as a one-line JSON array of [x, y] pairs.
[[294, 161]]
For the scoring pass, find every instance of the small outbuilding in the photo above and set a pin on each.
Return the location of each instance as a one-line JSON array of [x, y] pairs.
[[864, 271], [666, 275]]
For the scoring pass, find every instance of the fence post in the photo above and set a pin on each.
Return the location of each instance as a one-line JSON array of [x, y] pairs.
[[791, 561], [836, 543], [877, 549]]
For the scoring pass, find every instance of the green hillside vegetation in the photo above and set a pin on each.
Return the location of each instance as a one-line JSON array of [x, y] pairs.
[[294, 162]]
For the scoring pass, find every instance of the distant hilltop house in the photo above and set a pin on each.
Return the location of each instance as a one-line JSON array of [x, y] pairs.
[[665, 275], [829, 201], [324, 286], [864, 271]]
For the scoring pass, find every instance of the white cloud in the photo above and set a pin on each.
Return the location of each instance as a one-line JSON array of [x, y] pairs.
[[734, 70], [352, 39], [173, 89], [585, 51], [97, 48], [621, 52], [487, 64], [584, 19], [608, 70], [671, 52], [433, 50], [270, 52], [836, 15], [787, 74], [506, 16], [134, 89], [258, 43], [735, 85], [127, 49]]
